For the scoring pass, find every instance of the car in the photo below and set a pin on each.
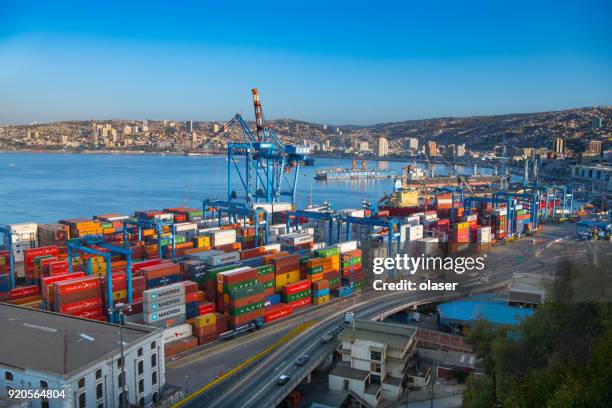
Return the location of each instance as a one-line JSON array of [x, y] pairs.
[[302, 360], [326, 338], [283, 379]]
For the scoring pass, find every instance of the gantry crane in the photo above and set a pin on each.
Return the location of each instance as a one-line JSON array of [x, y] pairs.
[[268, 162]]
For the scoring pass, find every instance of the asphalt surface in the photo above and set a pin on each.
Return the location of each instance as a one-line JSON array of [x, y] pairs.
[[255, 386]]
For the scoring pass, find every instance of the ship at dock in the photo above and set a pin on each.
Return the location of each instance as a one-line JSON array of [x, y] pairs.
[[415, 178], [353, 173]]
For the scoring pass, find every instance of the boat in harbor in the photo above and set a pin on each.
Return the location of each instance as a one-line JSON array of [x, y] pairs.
[[353, 173], [415, 178]]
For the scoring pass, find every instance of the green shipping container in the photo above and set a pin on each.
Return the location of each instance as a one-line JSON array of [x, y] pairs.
[[326, 252], [305, 259], [246, 292], [334, 281], [297, 296], [239, 285], [265, 270], [246, 309], [268, 285], [315, 270]]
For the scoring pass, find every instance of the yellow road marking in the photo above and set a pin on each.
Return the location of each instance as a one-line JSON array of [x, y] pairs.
[[293, 333]]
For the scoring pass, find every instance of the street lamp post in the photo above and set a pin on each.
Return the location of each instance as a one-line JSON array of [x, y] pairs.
[[121, 307]]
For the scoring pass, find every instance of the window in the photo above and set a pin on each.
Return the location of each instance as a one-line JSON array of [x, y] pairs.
[[44, 404], [375, 355], [44, 384], [140, 367], [98, 373], [154, 397], [82, 400], [120, 398], [119, 363], [154, 378], [120, 379], [374, 367], [140, 352], [8, 376], [141, 386], [141, 402], [101, 405], [153, 346], [99, 393], [82, 383], [153, 360]]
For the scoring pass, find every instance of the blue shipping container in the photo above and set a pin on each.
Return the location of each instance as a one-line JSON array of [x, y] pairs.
[[163, 281], [322, 292], [272, 300]]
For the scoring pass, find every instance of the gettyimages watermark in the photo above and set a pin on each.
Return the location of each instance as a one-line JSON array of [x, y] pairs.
[[405, 264]]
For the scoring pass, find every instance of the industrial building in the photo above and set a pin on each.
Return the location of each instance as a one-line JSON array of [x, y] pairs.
[[79, 358], [462, 315], [374, 360]]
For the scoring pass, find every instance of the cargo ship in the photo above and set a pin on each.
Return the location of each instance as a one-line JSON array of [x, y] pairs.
[[414, 177], [353, 173]]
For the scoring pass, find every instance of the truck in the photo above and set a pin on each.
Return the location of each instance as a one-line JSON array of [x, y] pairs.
[[349, 317], [247, 328]]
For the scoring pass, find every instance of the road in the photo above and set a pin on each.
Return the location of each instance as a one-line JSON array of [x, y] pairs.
[[256, 386]]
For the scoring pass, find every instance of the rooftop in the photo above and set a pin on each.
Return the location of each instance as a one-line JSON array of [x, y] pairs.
[[35, 340], [347, 372], [397, 336], [470, 309]]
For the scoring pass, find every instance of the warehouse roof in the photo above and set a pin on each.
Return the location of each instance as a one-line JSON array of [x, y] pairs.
[[35, 339], [397, 336], [473, 308]]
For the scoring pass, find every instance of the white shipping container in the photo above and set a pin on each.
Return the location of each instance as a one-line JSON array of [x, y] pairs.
[[415, 232], [412, 220], [25, 227], [319, 245], [225, 258], [501, 211], [164, 216], [347, 246], [186, 226], [272, 247], [483, 234], [471, 217], [177, 332], [167, 303], [222, 237], [164, 314], [277, 207], [163, 292]]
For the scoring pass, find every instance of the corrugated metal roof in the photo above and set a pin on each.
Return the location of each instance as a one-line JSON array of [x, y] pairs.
[[471, 309]]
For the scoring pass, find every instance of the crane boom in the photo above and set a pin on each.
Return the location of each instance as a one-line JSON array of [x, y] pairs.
[[258, 115]]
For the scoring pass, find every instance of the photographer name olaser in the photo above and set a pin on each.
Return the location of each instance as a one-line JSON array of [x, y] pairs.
[[408, 264]]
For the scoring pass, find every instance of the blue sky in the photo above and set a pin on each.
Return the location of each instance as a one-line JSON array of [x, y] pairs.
[[358, 62]]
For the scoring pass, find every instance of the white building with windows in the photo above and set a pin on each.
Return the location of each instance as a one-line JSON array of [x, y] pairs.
[[375, 358], [79, 359]]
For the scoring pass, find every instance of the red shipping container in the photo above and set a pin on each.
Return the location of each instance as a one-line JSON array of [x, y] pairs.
[[92, 313], [277, 312], [206, 307], [24, 291], [30, 253], [300, 303], [296, 287], [87, 304], [77, 285]]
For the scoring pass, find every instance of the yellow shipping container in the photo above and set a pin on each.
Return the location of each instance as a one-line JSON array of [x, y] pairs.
[[147, 232], [207, 319], [120, 294], [320, 300], [286, 279], [202, 241], [462, 225]]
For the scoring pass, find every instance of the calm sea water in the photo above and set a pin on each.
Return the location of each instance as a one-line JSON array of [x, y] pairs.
[[47, 187]]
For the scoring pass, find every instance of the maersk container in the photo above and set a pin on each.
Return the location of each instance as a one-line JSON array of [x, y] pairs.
[[164, 314], [150, 307], [158, 294]]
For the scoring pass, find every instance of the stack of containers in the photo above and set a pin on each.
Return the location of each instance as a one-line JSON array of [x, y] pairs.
[[245, 304], [165, 273], [444, 201], [351, 268], [331, 265], [522, 218], [297, 294], [312, 268], [296, 242], [164, 306], [192, 298], [47, 287], [233, 279], [286, 269], [266, 276], [246, 237], [461, 232], [320, 292], [23, 236], [33, 256], [499, 219], [25, 295], [119, 283], [80, 227], [472, 220], [205, 327], [483, 235], [222, 237], [80, 297], [442, 229]]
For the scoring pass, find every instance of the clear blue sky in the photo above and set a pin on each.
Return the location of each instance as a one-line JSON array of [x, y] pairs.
[[358, 62]]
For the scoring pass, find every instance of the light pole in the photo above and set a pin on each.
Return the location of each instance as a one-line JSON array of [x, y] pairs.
[[121, 307]]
